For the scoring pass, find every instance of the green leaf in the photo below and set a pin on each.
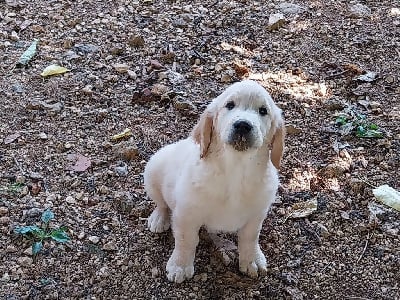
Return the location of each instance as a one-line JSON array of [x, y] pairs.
[[368, 133], [47, 216], [373, 126], [341, 120], [36, 247], [27, 229], [28, 54], [59, 235]]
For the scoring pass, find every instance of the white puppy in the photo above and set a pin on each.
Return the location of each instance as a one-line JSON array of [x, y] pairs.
[[224, 177]]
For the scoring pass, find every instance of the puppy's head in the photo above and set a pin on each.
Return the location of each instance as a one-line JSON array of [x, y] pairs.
[[243, 118]]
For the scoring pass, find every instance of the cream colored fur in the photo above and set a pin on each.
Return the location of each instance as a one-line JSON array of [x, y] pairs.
[[204, 181]]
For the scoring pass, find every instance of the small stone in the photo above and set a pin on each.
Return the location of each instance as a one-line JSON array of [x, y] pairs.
[[14, 36], [155, 272], [291, 129], [70, 200], [25, 261], [18, 88], [79, 196], [33, 212], [359, 10], [3, 211], [197, 61], [20, 179], [389, 79], [110, 246], [334, 104], [121, 169], [159, 89], [126, 151], [68, 145], [24, 191], [4, 220], [203, 277], [103, 190], [155, 64], [88, 89], [94, 239], [345, 215], [43, 136], [290, 8], [276, 21], [5, 277], [35, 176], [225, 78], [85, 48], [121, 68], [11, 249], [132, 74], [81, 235], [28, 251], [184, 105], [136, 41]]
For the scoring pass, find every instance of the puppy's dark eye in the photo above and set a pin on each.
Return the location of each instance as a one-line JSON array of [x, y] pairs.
[[263, 111], [230, 105]]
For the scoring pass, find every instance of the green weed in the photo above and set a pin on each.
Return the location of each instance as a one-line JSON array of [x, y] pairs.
[[39, 234]]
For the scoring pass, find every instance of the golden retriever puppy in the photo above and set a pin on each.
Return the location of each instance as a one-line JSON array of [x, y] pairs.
[[223, 176]]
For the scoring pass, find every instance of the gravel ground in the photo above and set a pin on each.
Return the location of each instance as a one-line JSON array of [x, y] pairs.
[[152, 66]]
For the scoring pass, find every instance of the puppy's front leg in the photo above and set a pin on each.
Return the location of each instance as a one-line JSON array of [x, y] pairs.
[[251, 259], [180, 264]]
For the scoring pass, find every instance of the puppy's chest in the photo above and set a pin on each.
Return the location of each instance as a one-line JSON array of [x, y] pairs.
[[233, 202]]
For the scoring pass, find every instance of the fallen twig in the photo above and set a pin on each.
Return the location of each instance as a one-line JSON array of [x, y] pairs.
[[365, 248]]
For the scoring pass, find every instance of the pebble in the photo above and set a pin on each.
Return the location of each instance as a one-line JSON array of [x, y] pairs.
[[4, 220], [155, 272], [359, 10], [290, 8], [25, 261], [121, 169], [3, 211], [121, 68], [43, 136], [70, 200], [33, 212], [28, 251], [20, 179], [94, 239], [110, 246], [11, 249], [5, 277], [14, 36], [132, 74], [276, 21]]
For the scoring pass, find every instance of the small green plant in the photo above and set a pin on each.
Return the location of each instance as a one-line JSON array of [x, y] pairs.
[[39, 234], [12, 188], [358, 124]]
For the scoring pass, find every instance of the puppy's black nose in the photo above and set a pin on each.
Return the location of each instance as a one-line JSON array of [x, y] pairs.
[[242, 127]]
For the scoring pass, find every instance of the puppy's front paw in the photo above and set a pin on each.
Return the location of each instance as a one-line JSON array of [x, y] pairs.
[[254, 265], [178, 273], [159, 220]]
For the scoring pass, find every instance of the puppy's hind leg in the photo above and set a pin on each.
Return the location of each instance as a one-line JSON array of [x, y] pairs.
[[159, 220]]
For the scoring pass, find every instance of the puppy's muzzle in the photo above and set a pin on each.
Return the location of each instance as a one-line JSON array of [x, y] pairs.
[[241, 137]]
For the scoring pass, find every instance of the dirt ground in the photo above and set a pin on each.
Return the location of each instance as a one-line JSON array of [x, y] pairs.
[[152, 66]]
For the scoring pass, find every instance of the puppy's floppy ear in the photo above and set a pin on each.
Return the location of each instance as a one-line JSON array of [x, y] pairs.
[[203, 131], [278, 143]]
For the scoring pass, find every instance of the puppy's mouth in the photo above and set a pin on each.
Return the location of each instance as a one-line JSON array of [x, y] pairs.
[[240, 143], [241, 137]]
